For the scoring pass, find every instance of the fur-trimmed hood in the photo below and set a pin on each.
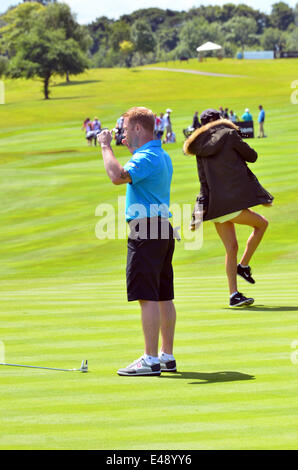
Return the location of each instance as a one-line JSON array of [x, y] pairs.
[[208, 139]]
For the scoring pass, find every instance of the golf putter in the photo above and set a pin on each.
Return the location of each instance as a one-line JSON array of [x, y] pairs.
[[83, 368]]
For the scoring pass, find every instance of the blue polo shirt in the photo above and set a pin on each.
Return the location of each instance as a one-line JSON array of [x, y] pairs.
[[151, 170], [261, 117], [246, 116]]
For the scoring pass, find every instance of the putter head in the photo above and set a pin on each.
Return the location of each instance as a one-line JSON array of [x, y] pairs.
[[84, 366]]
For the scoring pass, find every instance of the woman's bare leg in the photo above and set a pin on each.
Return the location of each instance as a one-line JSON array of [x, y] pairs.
[[259, 224], [226, 231]]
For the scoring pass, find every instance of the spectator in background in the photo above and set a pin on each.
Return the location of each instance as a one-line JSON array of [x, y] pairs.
[[226, 113], [195, 121], [160, 127], [96, 127], [87, 120], [156, 125], [261, 120], [119, 130], [87, 127], [232, 116], [167, 121], [119, 123], [246, 116], [96, 124], [170, 138]]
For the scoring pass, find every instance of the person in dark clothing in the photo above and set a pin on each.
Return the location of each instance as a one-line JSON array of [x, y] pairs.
[[195, 122], [228, 190]]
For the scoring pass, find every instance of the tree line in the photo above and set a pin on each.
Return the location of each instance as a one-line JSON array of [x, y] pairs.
[[155, 35], [42, 38]]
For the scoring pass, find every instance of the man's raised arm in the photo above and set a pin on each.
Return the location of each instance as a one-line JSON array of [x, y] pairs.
[[115, 171]]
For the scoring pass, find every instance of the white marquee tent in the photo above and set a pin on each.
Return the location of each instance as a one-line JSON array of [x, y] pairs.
[[208, 46]]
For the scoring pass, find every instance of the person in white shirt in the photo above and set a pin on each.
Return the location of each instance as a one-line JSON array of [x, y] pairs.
[[167, 121]]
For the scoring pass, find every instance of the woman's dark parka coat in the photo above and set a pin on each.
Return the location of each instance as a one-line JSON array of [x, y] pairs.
[[227, 184]]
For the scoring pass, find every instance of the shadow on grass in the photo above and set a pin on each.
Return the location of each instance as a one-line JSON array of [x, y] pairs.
[[51, 152], [76, 82], [69, 98], [265, 308], [209, 378]]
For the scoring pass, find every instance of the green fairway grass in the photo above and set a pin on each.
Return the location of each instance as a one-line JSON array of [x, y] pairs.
[[63, 293]]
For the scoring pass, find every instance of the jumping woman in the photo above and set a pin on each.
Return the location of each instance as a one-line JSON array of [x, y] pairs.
[[228, 190]]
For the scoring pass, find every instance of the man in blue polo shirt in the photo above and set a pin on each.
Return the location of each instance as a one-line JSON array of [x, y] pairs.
[[149, 272], [246, 116], [261, 120], [150, 170]]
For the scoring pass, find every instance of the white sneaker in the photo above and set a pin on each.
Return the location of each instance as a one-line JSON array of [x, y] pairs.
[[167, 365], [140, 368]]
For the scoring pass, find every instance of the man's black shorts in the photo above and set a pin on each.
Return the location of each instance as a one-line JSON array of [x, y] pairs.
[[149, 272]]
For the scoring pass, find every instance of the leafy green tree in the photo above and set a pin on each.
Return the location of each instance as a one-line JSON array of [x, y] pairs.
[[193, 33], [296, 14], [100, 31], [156, 18], [58, 16], [106, 57], [142, 37], [210, 13], [241, 31], [292, 40], [168, 39], [263, 22], [272, 38], [159, 34], [228, 12], [39, 47], [120, 31], [44, 53], [126, 48], [18, 22], [282, 16], [196, 32], [229, 49], [3, 64], [42, 2]]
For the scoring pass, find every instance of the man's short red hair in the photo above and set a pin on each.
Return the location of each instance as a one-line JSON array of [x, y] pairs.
[[142, 116]]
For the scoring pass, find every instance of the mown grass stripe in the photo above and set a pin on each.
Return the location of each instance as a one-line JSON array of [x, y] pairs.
[[63, 291]]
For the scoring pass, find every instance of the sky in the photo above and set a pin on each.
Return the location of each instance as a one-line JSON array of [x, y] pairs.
[[88, 10]]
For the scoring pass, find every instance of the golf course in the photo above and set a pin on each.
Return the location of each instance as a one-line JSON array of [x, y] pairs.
[[63, 291]]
